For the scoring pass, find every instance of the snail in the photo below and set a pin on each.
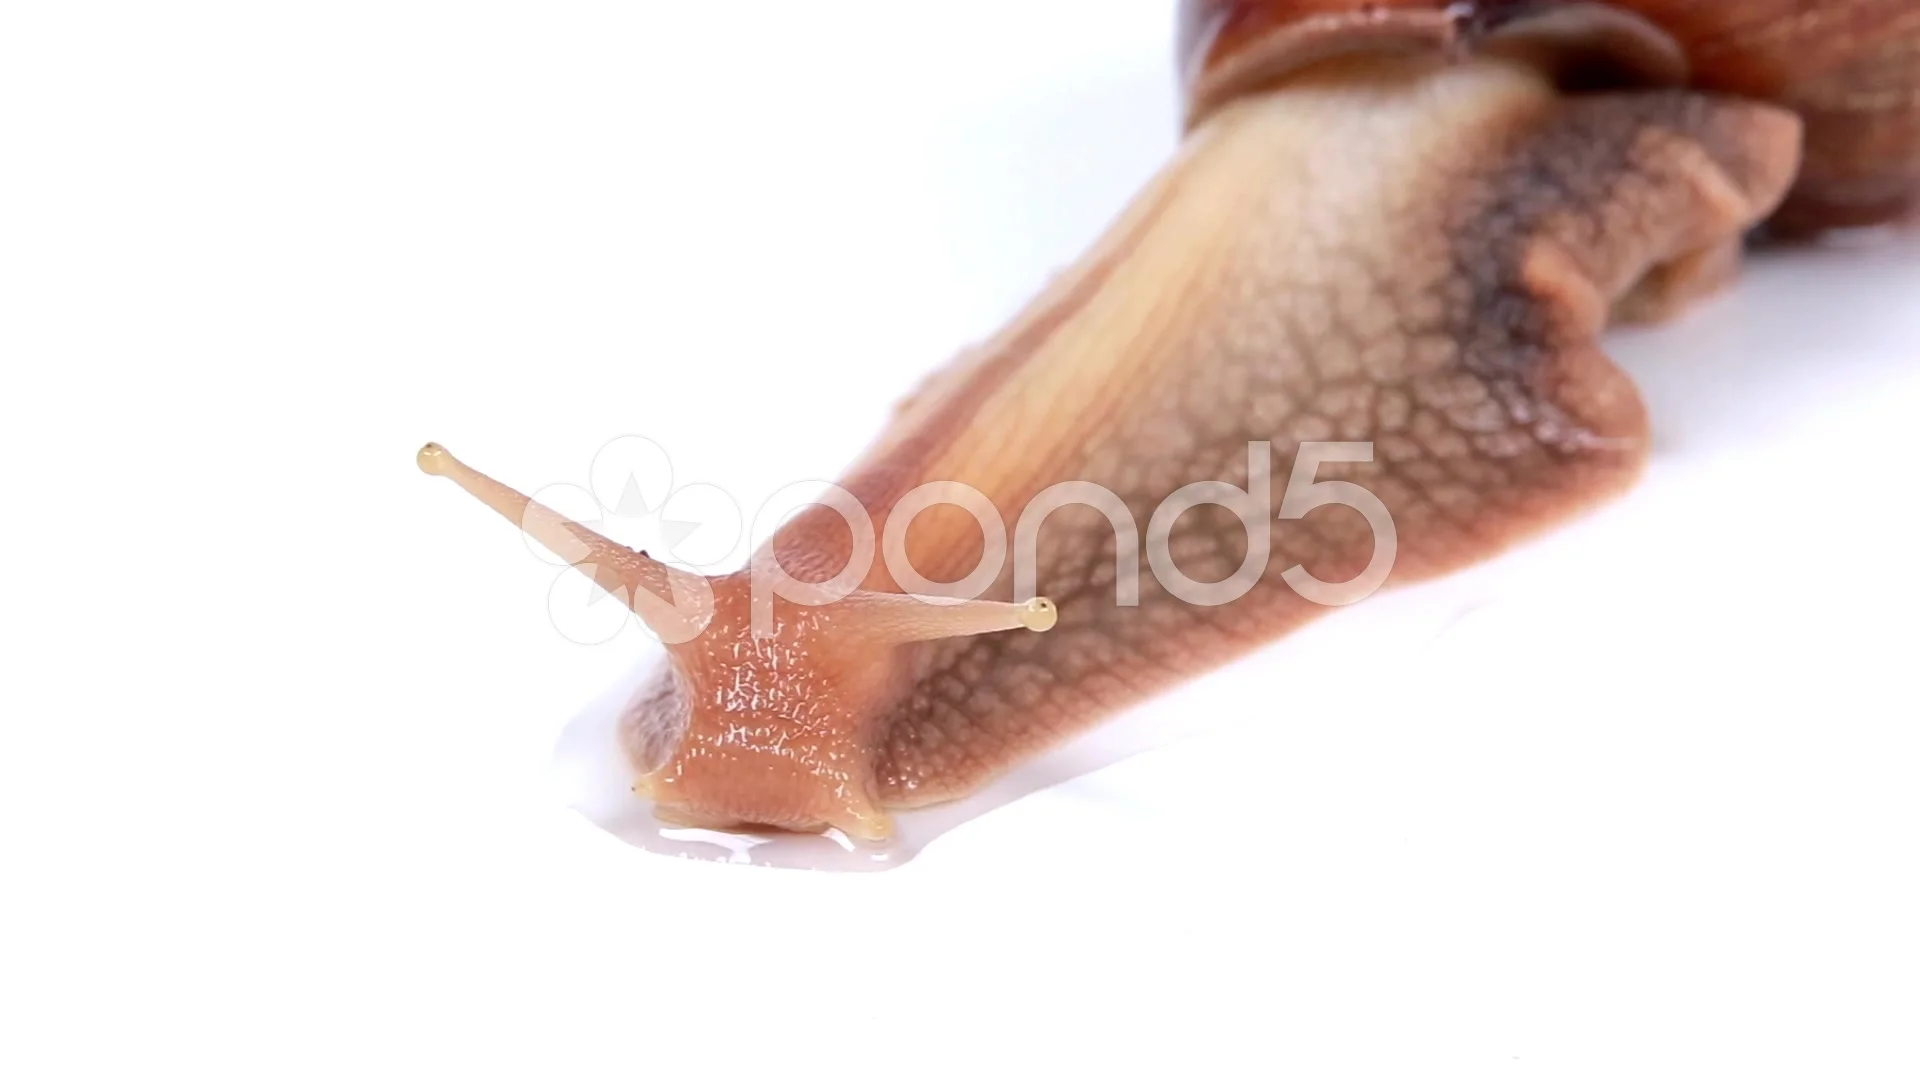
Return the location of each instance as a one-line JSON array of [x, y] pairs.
[[1347, 338]]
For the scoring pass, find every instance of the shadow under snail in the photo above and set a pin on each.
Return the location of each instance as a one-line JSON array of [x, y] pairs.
[[1397, 226]]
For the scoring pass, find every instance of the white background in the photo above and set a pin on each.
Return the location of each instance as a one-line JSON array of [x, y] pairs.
[[277, 716]]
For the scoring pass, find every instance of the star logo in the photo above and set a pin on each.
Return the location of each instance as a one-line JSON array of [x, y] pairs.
[[631, 498]]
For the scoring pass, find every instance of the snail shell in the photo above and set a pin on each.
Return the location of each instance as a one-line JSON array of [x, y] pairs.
[[1849, 68]]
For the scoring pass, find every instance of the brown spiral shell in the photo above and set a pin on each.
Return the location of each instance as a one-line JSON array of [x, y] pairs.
[[1850, 68]]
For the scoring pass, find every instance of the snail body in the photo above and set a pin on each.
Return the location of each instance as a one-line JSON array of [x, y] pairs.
[[1347, 338]]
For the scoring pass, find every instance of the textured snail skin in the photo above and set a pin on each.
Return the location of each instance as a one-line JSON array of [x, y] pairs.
[[1408, 235]]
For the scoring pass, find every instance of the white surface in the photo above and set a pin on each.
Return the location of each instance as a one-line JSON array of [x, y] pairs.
[[1639, 800]]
